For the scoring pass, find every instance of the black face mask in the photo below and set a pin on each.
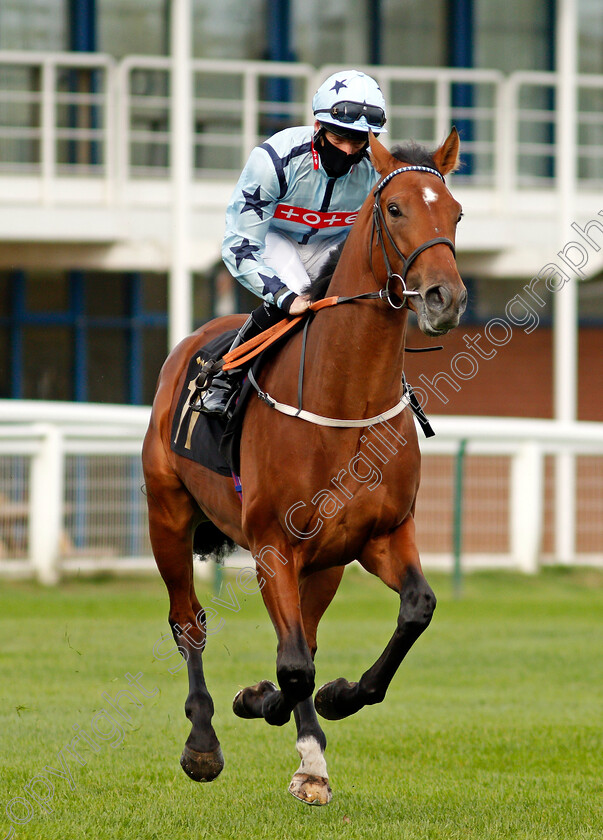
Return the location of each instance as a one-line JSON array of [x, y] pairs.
[[335, 161]]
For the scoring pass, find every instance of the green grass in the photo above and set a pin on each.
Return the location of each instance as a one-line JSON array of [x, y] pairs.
[[491, 729]]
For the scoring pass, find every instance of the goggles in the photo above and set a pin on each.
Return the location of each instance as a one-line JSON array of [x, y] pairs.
[[351, 112]]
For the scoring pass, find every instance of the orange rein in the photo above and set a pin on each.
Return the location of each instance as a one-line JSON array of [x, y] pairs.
[[256, 345]]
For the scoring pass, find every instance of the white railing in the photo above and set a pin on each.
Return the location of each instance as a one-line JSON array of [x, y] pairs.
[[70, 489], [508, 496], [231, 112], [71, 498], [530, 155], [58, 119], [424, 102], [66, 116]]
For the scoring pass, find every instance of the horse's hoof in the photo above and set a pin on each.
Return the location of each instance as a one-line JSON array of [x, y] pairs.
[[247, 702], [313, 790], [330, 700], [202, 767]]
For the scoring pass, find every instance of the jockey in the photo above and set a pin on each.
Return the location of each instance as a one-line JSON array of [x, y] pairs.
[[296, 200]]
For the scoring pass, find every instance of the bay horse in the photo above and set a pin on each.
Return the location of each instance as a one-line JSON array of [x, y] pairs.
[[354, 371]]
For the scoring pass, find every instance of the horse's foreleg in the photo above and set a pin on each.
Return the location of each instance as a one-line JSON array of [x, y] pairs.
[[400, 568], [171, 516], [310, 783], [278, 580]]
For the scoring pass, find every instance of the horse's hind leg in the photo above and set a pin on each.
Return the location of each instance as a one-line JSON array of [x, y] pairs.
[[397, 564], [310, 783], [171, 519]]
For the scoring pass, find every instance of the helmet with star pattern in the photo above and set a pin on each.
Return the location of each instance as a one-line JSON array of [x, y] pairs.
[[348, 102]]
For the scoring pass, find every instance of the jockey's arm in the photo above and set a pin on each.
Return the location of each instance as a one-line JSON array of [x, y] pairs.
[[248, 216]]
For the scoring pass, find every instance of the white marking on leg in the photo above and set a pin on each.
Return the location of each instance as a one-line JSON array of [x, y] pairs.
[[429, 196], [312, 757]]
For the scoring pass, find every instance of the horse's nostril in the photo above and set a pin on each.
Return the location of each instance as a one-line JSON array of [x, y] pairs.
[[463, 298], [437, 297]]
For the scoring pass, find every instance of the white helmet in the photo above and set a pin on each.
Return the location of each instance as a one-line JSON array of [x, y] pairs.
[[350, 101]]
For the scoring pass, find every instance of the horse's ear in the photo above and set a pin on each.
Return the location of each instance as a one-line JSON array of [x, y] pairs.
[[446, 158], [381, 158]]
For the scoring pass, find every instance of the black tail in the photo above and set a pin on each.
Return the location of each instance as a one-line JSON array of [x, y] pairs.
[[209, 543]]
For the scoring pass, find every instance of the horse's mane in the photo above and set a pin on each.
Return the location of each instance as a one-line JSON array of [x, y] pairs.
[[318, 287], [412, 153]]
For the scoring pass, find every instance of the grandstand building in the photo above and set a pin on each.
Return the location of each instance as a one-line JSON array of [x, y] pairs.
[[124, 125]]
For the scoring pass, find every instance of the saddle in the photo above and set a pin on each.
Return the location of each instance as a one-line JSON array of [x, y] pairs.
[[212, 440]]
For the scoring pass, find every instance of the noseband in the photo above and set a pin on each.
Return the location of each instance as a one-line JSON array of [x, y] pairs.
[[380, 226]]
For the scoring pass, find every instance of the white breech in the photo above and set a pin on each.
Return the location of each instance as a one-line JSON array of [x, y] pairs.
[[297, 265]]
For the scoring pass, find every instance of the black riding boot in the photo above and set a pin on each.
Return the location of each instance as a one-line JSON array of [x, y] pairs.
[[225, 385]]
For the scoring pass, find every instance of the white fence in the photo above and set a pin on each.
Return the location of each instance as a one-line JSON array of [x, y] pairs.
[[70, 489], [64, 115], [71, 497]]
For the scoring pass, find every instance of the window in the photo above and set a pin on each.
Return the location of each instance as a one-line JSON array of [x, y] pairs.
[[133, 27], [229, 29], [33, 25], [590, 36], [47, 363], [97, 336], [515, 35], [330, 33], [107, 365], [4, 335], [414, 33]]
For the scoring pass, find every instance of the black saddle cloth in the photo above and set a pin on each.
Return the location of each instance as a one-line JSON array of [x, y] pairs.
[[210, 439]]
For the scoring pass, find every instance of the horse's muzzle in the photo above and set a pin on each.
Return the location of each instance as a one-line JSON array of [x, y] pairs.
[[439, 309]]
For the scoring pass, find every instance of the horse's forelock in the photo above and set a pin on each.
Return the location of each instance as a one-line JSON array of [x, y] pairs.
[[414, 154]]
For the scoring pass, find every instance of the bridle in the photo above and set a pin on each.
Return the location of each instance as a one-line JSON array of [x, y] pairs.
[[380, 226]]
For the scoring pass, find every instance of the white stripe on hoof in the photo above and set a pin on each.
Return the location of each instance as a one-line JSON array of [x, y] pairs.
[[312, 758]]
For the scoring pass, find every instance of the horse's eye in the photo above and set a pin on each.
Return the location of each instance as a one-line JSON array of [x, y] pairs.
[[394, 210]]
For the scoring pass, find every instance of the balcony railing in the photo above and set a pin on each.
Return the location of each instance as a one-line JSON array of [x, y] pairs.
[[66, 116]]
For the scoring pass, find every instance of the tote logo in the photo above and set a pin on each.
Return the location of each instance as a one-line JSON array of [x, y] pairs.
[[314, 218]]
